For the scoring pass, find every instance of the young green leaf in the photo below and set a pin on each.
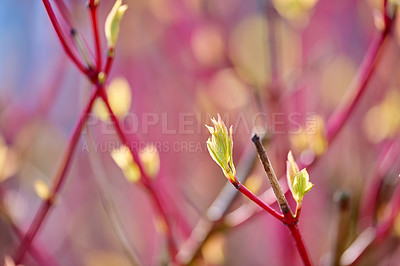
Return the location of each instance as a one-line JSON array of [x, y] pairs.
[[298, 181], [220, 146], [112, 22]]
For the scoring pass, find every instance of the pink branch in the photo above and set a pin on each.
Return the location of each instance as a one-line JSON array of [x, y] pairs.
[[57, 185], [294, 229], [358, 85], [258, 201], [62, 38], [96, 36]]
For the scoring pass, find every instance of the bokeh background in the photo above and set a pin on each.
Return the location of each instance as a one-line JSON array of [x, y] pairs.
[[279, 66]]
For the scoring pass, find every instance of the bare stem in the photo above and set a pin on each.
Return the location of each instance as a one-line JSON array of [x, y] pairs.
[[288, 219], [294, 229], [57, 184], [62, 38], [271, 175], [37, 251], [109, 61], [258, 201], [359, 83], [93, 14]]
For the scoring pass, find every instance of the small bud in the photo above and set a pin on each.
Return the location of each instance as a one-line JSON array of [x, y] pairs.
[[220, 146], [101, 77], [150, 160], [119, 97], [112, 22], [123, 158], [298, 181], [42, 190]]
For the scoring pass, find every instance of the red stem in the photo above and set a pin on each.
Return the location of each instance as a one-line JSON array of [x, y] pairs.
[[36, 251], [288, 220], [109, 61], [145, 180], [57, 185], [294, 229], [258, 201], [96, 36], [62, 38], [358, 86]]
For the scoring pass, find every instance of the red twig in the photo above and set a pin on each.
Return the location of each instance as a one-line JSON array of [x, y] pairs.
[[36, 251], [259, 202], [57, 185], [62, 38], [288, 218], [294, 229], [93, 14], [359, 84], [109, 61]]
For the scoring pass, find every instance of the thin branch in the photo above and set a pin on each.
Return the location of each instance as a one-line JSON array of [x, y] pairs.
[[370, 197], [93, 14], [247, 211], [109, 61], [359, 83], [58, 182], [259, 202], [271, 175], [109, 205], [82, 48], [62, 38], [288, 219], [373, 235], [36, 251], [341, 232]]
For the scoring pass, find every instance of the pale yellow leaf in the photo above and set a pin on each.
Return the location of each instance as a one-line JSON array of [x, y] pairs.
[[42, 189], [120, 98], [150, 159]]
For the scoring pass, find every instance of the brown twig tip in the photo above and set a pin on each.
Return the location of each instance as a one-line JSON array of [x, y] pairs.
[[271, 174], [255, 138]]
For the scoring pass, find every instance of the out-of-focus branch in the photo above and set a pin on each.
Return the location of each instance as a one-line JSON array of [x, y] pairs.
[[373, 236], [95, 28], [108, 203], [37, 251], [343, 214], [62, 38], [359, 84], [144, 180], [370, 196], [57, 183]]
